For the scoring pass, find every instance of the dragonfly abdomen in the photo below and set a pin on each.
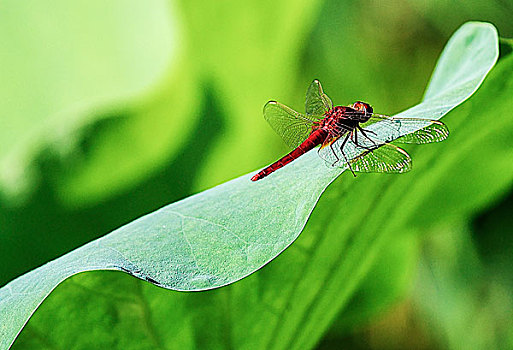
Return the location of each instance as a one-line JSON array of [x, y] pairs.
[[316, 138]]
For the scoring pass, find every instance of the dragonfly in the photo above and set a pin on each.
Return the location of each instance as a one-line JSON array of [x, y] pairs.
[[349, 136]]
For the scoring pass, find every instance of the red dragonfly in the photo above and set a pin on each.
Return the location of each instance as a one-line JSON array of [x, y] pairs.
[[363, 136]]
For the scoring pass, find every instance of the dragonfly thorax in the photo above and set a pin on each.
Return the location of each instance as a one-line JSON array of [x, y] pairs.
[[358, 112]]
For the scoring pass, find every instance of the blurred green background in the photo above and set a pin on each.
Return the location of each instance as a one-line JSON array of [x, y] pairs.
[[110, 110]]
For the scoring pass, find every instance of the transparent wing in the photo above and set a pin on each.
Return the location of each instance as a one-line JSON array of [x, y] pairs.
[[317, 102], [340, 150], [384, 129], [385, 159], [364, 155], [292, 126], [435, 132]]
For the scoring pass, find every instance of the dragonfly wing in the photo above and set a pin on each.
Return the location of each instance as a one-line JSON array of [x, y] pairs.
[[292, 126], [384, 159], [384, 129], [317, 102], [434, 132], [365, 155]]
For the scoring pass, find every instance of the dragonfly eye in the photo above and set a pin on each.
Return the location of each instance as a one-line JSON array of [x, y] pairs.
[[363, 107]]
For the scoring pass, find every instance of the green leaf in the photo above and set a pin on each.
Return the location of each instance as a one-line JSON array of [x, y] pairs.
[[390, 277], [462, 301], [221, 235]]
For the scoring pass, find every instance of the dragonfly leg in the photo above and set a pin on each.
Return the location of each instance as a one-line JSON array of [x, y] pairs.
[[366, 130], [344, 155], [362, 146], [335, 153], [364, 133]]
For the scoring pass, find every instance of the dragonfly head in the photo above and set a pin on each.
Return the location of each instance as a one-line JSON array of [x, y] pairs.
[[363, 107]]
